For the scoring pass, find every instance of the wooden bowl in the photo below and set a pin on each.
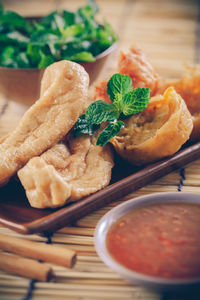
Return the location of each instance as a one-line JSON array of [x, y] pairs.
[[23, 85]]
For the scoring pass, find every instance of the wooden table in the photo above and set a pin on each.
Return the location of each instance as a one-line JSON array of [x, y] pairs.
[[168, 32]]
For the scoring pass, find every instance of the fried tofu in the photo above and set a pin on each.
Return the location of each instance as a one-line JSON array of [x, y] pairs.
[[67, 172], [63, 99]]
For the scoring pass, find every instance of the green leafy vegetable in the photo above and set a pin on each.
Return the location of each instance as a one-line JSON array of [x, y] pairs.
[[73, 30], [7, 56], [82, 126], [75, 36], [1, 8], [100, 111], [82, 57], [135, 101], [117, 86], [109, 132], [126, 101]]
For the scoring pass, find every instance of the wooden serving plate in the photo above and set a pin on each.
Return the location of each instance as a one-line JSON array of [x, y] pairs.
[[16, 213]]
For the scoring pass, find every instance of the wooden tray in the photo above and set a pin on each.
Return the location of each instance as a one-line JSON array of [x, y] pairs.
[[16, 213]]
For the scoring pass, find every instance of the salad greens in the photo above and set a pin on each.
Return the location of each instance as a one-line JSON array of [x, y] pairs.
[[75, 36], [126, 101]]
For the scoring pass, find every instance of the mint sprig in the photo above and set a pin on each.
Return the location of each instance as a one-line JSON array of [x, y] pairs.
[[101, 111], [109, 132], [118, 86], [126, 101], [82, 126]]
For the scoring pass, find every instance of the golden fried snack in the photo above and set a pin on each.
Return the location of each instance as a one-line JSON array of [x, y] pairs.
[[135, 64], [67, 172], [189, 89], [156, 132], [63, 98]]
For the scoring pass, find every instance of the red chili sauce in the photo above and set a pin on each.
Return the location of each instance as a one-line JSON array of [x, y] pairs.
[[160, 240]]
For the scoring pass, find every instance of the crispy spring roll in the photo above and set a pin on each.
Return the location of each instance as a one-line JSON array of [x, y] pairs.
[[189, 89], [157, 132]]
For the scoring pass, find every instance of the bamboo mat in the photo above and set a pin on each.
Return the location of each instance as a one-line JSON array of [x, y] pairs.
[[169, 33]]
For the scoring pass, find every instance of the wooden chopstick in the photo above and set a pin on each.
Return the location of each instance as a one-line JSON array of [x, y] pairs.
[[25, 267], [48, 253]]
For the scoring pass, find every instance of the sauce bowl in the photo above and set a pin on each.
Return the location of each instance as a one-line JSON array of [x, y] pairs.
[[149, 281]]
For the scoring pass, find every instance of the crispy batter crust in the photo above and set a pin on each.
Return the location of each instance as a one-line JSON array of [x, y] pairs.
[[157, 132], [189, 89], [135, 64]]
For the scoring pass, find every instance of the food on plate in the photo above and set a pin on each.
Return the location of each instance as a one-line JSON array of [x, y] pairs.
[[189, 89], [67, 172], [60, 148], [160, 240], [75, 36], [125, 101], [156, 132], [135, 64], [63, 99]]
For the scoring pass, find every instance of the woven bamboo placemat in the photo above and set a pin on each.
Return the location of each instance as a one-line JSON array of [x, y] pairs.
[[168, 32]]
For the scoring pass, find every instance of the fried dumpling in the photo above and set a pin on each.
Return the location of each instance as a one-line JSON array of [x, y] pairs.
[[64, 91], [189, 89], [135, 64], [67, 172], [156, 132]]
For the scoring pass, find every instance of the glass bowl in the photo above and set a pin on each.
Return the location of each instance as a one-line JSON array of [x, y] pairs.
[[103, 226]]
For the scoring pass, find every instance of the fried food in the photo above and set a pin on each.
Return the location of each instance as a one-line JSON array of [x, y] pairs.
[[63, 99], [67, 172], [189, 89], [135, 64], [101, 92], [157, 132]]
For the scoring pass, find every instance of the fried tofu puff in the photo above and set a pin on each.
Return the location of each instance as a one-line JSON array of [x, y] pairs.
[[189, 89], [135, 64], [67, 172], [157, 132], [64, 94]]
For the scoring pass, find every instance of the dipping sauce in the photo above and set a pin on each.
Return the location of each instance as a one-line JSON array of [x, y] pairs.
[[162, 240]]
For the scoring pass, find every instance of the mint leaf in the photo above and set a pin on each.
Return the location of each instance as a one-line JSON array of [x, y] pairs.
[[135, 101], [117, 86], [82, 126], [109, 132], [126, 102], [100, 111]]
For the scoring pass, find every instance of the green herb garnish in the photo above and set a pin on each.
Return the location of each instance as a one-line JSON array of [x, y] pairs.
[[126, 101], [75, 36]]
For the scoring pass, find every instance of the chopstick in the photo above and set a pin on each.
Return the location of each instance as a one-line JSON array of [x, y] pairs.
[[45, 252], [25, 267]]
